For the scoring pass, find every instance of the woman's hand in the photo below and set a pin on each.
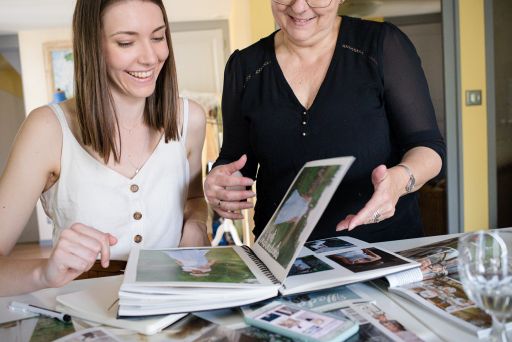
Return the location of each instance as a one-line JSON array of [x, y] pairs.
[[76, 251], [389, 185], [225, 189]]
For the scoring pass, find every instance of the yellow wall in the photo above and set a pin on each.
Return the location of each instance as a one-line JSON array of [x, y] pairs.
[[262, 21], [250, 21], [239, 24], [474, 118], [10, 80]]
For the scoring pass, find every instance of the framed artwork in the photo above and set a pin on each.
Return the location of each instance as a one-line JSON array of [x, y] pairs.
[[58, 56]]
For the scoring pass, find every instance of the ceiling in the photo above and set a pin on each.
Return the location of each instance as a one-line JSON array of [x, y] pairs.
[[19, 15]]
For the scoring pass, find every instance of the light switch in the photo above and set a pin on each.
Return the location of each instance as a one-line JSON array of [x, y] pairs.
[[473, 97]]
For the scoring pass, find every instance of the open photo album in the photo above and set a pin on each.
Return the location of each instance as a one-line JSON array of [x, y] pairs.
[[181, 280]]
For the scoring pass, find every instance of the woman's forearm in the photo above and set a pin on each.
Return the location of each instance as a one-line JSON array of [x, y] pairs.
[[20, 276], [194, 223]]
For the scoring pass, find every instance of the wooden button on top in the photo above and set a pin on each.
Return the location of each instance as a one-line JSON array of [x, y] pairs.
[[137, 216], [137, 238], [134, 188]]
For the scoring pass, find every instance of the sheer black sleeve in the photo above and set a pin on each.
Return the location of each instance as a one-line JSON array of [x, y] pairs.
[[406, 93], [236, 137]]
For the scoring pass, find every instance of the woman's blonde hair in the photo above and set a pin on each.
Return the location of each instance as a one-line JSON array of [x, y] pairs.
[[95, 109]]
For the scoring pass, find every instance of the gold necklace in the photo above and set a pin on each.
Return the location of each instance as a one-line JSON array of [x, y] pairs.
[[138, 166], [136, 125]]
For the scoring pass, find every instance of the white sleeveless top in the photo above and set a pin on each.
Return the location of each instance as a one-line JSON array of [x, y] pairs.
[[146, 210]]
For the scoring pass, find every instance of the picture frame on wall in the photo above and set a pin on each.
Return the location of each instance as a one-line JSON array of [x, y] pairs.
[[58, 57]]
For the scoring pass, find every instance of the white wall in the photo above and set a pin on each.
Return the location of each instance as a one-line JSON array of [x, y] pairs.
[[196, 10], [17, 15], [32, 63]]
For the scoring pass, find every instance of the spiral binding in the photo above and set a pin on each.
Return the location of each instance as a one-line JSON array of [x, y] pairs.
[[263, 268]]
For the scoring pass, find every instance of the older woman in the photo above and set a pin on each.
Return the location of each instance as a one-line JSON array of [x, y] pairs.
[[325, 86]]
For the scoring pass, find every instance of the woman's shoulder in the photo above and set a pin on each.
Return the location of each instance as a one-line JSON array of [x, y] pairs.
[[368, 35], [196, 118], [42, 120], [196, 115], [361, 30], [40, 135]]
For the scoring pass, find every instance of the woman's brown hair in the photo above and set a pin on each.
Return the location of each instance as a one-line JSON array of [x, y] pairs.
[[95, 109]]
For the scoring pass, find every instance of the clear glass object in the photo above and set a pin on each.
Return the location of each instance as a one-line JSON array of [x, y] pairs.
[[485, 269]]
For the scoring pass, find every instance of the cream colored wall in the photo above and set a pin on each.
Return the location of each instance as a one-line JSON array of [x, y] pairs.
[[262, 23], [196, 10], [35, 87], [250, 21], [32, 63], [240, 24], [474, 118]]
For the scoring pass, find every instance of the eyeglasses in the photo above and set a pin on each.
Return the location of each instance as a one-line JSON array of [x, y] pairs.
[[311, 3]]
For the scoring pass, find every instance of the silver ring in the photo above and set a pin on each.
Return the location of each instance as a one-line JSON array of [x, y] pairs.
[[376, 216]]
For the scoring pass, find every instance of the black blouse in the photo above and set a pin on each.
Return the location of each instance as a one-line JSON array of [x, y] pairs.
[[373, 104]]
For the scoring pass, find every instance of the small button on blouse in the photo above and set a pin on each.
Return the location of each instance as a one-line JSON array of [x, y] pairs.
[[137, 215], [137, 238], [134, 188]]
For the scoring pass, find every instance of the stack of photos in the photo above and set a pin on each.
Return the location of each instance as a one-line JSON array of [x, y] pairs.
[[441, 290]]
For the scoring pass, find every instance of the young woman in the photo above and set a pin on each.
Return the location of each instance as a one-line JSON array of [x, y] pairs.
[[117, 166]]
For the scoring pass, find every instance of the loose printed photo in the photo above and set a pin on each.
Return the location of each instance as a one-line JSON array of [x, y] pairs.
[[308, 264], [90, 335], [327, 245], [366, 259], [308, 323]]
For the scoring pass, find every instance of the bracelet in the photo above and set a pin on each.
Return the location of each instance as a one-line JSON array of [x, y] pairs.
[[412, 181]]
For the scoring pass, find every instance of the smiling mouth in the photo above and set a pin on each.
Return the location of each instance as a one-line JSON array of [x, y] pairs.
[[141, 74], [301, 21]]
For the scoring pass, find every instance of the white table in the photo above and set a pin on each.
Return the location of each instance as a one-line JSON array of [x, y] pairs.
[[425, 324]]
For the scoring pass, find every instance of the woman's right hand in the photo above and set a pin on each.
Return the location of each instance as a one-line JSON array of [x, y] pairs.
[[225, 189], [75, 252]]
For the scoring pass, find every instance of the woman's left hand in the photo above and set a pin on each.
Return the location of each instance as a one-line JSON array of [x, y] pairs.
[[387, 184]]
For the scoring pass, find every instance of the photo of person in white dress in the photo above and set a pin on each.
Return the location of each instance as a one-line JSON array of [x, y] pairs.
[[192, 261], [294, 208]]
